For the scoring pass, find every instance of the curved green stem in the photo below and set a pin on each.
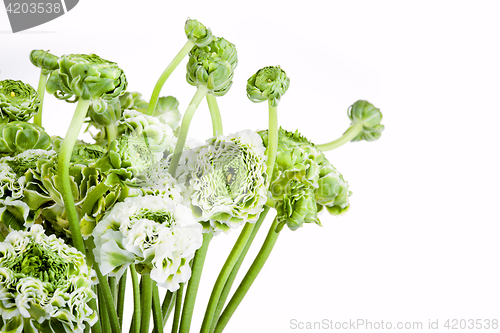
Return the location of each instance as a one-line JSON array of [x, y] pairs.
[[135, 326], [249, 278], [224, 275], [146, 301], [215, 115], [63, 172], [236, 268], [350, 134], [178, 307], [166, 73], [157, 314], [194, 282], [37, 119], [186, 121], [272, 145]]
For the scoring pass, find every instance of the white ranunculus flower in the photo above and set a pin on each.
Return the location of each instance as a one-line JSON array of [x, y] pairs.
[[155, 232]]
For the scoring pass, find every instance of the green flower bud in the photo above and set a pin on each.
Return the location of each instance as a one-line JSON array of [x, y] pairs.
[[222, 48], [269, 83], [105, 116], [18, 136], [18, 101], [210, 70], [365, 113], [297, 207], [198, 33], [44, 60], [88, 77]]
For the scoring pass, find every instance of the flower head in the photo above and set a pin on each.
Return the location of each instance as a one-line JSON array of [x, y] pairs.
[[210, 70], [45, 285], [18, 101], [19, 136], [197, 32], [302, 173], [44, 60], [88, 77], [269, 83], [226, 180], [223, 48], [370, 117], [156, 233]]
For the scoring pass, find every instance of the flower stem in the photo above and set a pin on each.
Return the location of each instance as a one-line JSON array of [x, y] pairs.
[[234, 272], [224, 275], [272, 145], [97, 326], [168, 305], [121, 298], [166, 73], [105, 291], [103, 311], [63, 172], [350, 134], [178, 306], [249, 278], [111, 133], [215, 115], [37, 119], [186, 121], [194, 282], [146, 301], [135, 326], [157, 314]]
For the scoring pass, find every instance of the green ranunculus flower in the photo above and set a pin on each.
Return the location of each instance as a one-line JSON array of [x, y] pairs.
[[45, 285], [226, 180], [88, 77], [297, 207], [211, 70], [269, 83], [44, 60], [197, 33], [363, 112], [18, 101], [299, 161], [19, 136], [105, 116], [224, 49]]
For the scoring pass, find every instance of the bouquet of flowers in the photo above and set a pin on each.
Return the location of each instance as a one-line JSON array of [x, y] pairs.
[[76, 217]]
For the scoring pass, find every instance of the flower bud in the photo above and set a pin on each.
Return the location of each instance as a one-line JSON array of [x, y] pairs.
[[269, 83], [44, 60], [198, 33], [210, 70], [368, 115]]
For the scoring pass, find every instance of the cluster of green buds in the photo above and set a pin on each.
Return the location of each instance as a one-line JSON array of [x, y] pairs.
[[18, 101], [45, 285], [88, 77], [304, 181]]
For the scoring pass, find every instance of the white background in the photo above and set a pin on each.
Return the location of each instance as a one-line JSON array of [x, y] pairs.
[[421, 240]]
